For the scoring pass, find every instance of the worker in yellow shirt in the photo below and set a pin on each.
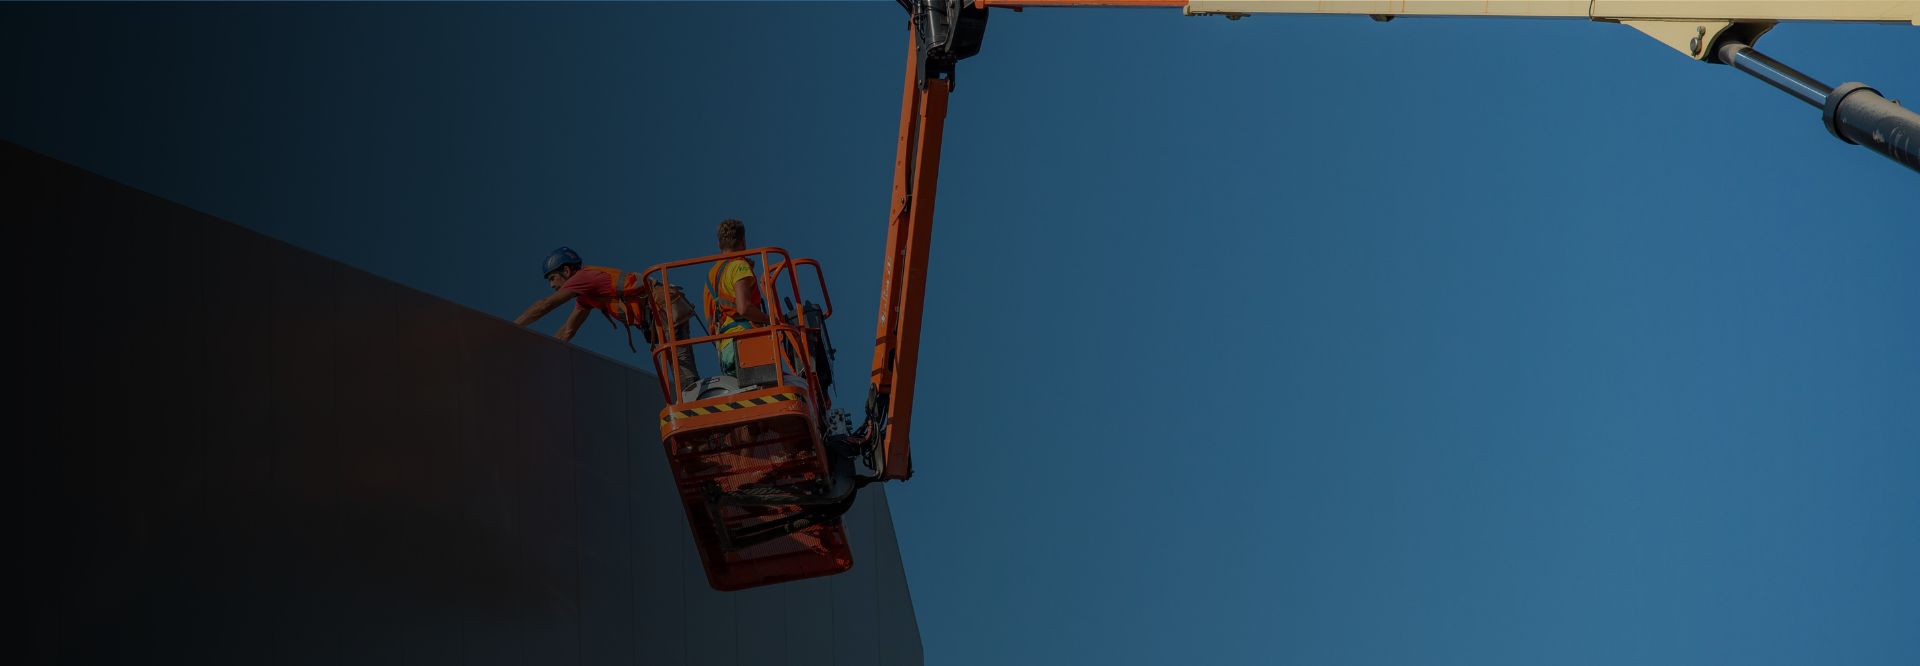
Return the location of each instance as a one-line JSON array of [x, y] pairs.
[[733, 301]]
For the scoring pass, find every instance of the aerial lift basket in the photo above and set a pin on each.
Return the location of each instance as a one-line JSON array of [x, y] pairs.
[[762, 484]]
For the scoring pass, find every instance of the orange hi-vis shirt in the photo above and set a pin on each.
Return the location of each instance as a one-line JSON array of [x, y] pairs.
[[612, 291]]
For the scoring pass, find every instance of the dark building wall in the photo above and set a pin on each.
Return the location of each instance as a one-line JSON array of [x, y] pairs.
[[242, 452]]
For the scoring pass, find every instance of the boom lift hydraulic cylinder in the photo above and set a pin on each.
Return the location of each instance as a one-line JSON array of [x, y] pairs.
[[1853, 112]]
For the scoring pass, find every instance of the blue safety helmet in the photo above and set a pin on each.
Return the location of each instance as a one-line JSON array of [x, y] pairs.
[[564, 256]]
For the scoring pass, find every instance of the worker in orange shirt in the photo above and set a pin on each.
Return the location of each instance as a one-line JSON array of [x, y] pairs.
[[732, 300], [617, 295]]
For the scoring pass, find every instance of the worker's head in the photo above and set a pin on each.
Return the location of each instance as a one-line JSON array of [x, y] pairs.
[[561, 264], [733, 236]]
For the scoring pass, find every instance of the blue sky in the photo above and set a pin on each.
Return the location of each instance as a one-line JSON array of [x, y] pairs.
[[1285, 340]]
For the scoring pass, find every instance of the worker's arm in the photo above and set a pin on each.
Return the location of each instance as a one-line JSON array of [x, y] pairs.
[[541, 307], [572, 326], [748, 294]]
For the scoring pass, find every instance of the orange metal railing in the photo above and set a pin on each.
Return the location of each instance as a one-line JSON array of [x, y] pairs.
[[786, 331]]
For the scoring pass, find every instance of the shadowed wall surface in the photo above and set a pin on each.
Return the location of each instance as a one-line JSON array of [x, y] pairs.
[[244, 452]]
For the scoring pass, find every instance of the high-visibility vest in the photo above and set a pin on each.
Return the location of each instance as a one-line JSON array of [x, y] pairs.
[[629, 310], [626, 307], [720, 305]]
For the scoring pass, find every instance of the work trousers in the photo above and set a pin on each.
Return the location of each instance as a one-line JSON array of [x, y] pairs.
[[689, 373]]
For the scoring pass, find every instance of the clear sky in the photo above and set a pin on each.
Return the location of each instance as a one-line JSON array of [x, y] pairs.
[[1284, 340]]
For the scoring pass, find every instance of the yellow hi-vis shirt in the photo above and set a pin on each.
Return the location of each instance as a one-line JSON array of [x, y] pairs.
[[723, 305]]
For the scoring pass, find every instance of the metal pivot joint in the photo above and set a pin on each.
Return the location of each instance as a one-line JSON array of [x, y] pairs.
[[1853, 112], [949, 30]]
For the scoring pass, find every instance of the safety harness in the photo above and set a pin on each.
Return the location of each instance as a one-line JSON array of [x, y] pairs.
[[625, 309], [717, 305]]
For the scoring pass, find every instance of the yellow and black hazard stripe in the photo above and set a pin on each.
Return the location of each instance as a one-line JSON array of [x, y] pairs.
[[728, 406]]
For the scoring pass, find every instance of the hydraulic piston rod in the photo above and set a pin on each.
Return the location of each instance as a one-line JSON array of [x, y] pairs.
[[1852, 112]]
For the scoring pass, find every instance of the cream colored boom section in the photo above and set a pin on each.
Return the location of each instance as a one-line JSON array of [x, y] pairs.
[[1904, 11]]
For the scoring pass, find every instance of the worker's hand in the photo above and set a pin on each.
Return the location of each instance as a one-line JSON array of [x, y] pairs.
[[541, 307]]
